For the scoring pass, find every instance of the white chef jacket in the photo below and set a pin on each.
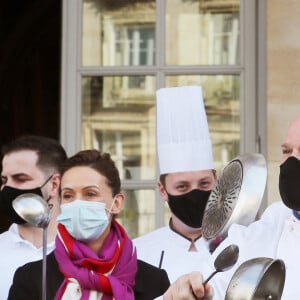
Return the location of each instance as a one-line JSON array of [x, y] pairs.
[[177, 259], [275, 235], [15, 252]]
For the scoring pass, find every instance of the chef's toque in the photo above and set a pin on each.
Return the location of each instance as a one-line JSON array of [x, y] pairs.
[[183, 141]]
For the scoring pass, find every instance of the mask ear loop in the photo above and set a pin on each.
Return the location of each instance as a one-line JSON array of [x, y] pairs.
[[48, 179], [113, 203]]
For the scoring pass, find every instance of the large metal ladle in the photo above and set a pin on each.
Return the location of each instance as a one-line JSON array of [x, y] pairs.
[[225, 260], [35, 211]]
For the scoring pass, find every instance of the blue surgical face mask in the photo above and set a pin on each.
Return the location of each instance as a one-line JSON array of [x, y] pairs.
[[84, 220]]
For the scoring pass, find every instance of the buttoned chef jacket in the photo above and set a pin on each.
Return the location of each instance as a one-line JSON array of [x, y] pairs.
[[275, 235], [172, 250]]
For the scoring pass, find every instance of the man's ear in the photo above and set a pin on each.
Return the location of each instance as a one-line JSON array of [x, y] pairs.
[[55, 183], [162, 191], [118, 203]]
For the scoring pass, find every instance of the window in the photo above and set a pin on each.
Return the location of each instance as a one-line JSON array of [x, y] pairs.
[[135, 45], [116, 54]]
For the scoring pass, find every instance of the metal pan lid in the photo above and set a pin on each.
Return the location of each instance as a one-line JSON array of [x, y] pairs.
[[236, 197]]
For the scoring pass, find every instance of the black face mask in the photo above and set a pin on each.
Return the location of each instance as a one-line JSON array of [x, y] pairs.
[[289, 183], [9, 194], [189, 208]]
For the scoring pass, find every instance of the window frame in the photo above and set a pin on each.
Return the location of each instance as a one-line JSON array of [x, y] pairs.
[[252, 89]]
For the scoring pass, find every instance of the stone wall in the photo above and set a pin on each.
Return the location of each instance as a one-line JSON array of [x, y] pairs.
[[283, 79]]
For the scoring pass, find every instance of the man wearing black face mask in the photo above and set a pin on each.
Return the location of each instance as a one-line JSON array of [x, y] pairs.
[[186, 179], [275, 235], [29, 164]]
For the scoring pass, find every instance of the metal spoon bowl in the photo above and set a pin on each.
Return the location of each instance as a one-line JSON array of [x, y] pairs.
[[225, 260], [33, 209]]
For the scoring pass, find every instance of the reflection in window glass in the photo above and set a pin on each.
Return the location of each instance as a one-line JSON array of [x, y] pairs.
[[202, 32], [118, 111], [118, 33], [221, 95], [138, 214], [118, 116], [134, 45]]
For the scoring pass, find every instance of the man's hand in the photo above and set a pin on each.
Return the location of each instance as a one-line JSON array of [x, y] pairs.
[[188, 287]]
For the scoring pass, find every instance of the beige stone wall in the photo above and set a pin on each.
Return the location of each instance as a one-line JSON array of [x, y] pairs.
[[283, 73]]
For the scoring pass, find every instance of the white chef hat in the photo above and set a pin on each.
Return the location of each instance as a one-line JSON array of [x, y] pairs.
[[183, 141]]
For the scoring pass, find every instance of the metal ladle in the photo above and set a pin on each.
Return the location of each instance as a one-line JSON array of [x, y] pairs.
[[35, 211], [225, 260]]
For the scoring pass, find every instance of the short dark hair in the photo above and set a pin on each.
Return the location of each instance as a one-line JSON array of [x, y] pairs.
[[100, 162], [162, 179], [50, 152]]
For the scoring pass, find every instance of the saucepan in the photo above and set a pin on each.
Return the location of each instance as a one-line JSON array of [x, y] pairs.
[[236, 197], [260, 278]]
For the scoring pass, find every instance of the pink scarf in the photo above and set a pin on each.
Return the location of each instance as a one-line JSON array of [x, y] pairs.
[[111, 273]]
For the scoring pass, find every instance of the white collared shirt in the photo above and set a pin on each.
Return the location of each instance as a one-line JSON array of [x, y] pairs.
[[15, 252]]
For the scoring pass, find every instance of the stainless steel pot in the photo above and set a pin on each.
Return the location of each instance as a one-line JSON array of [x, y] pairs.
[[260, 278], [236, 197]]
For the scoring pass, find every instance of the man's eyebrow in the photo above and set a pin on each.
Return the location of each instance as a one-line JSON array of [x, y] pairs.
[[285, 145], [205, 178], [181, 181], [21, 175]]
